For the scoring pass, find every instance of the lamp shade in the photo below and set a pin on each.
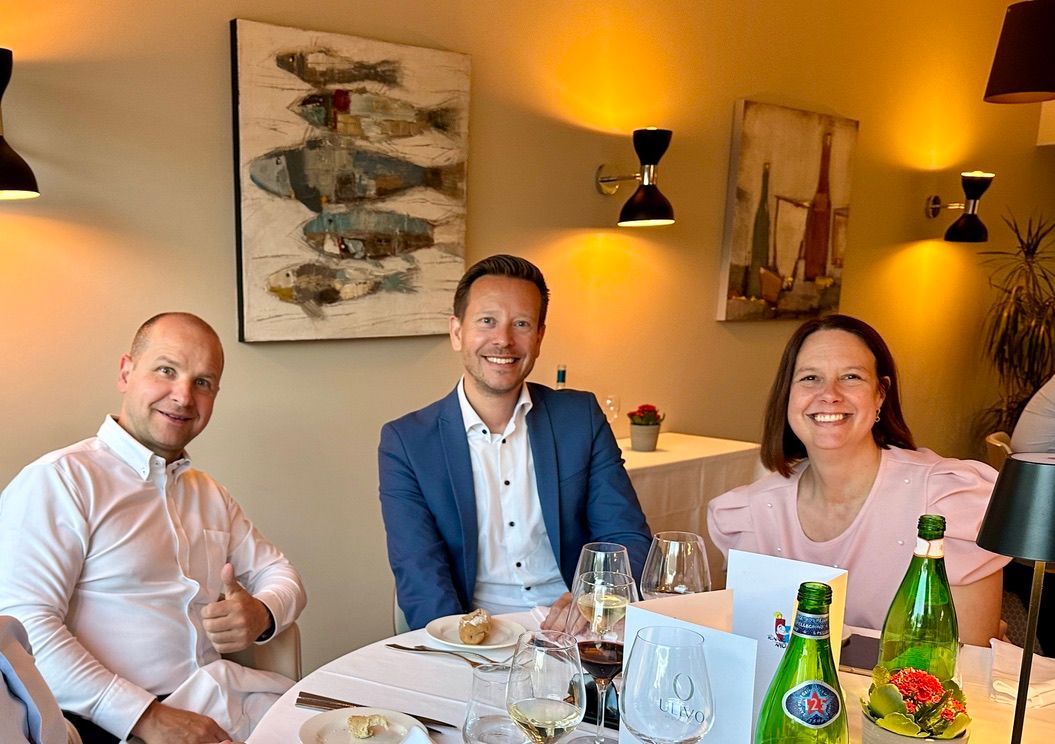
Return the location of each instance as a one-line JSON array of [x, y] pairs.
[[1024, 64], [646, 207], [650, 144], [1020, 521], [16, 177]]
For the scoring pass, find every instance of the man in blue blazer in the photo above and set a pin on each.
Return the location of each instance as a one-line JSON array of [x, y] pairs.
[[489, 494]]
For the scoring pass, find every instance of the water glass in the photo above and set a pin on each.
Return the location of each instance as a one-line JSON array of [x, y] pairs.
[[666, 696], [486, 719], [676, 564], [610, 404]]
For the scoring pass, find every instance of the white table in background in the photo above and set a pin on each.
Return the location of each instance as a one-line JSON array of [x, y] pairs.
[[437, 686], [676, 482]]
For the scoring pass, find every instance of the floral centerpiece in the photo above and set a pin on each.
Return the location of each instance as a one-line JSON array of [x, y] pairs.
[[646, 415], [913, 703], [644, 427]]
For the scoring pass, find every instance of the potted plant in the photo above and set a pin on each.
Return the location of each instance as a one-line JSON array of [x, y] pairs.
[[909, 703], [1019, 335], [644, 427]]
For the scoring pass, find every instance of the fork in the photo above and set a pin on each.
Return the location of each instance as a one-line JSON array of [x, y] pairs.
[[322, 702], [430, 650]]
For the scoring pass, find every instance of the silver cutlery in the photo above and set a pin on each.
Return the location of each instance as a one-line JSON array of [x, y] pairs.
[[430, 650], [322, 702]]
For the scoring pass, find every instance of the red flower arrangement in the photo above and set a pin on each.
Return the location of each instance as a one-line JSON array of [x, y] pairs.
[[914, 703], [646, 415]]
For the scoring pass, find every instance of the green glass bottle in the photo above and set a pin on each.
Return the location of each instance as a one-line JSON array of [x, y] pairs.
[[920, 629], [804, 703]]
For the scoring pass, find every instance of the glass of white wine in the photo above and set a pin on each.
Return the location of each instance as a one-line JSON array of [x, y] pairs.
[[601, 598], [676, 564], [546, 694], [666, 696]]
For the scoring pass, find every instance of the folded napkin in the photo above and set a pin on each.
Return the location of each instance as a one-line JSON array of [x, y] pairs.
[[1007, 660], [417, 736]]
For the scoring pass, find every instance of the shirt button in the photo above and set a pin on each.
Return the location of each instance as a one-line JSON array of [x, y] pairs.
[[485, 431], [503, 441], [900, 542], [506, 482], [527, 588], [512, 524], [907, 480], [780, 550], [518, 564], [770, 506]]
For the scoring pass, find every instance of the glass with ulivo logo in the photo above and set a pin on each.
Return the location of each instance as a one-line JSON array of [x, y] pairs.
[[804, 703], [920, 630]]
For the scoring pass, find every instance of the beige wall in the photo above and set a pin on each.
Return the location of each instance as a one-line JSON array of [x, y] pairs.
[[123, 108]]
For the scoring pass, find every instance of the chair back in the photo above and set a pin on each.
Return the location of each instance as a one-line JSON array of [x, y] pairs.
[[399, 620], [281, 654], [997, 448]]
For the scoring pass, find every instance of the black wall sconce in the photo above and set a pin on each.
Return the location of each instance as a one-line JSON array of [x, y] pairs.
[[969, 228], [646, 207], [16, 177]]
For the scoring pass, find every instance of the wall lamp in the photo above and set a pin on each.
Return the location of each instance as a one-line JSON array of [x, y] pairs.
[[1024, 66], [969, 228], [16, 177], [646, 207]]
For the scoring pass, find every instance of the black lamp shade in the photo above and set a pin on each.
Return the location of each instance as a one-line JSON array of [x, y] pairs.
[[1024, 64], [646, 207], [968, 228], [16, 177], [975, 183], [651, 143], [1020, 521]]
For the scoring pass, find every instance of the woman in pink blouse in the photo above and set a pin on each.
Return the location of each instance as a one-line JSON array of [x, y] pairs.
[[849, 484]]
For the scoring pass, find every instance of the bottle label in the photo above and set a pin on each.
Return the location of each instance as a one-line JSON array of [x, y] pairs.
[[811, 626], [930, 548], [814, 704]]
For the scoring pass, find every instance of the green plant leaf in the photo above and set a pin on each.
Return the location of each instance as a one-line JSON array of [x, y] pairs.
[[899, 723], [956, 726], [885, 699]]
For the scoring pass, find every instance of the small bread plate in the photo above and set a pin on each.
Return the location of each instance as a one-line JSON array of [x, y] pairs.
[[331, 727], [503, 633]]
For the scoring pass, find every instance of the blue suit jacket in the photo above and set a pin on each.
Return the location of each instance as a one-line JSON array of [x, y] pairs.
[[429, 504]]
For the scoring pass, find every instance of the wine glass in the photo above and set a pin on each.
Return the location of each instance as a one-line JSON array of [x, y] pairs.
[[610, 404], [604, 556], [666, 695], [486, 719], [546, 694], [601, 598], [676, 564]]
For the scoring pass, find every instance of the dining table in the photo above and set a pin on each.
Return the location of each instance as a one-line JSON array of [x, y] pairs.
[[676, 482], [437, 686]]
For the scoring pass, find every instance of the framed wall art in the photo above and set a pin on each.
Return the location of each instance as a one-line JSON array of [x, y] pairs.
[[350, 158], [786, 214]]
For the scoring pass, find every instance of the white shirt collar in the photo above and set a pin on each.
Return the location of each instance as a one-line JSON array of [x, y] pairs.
[[471, 419], [132, 452]]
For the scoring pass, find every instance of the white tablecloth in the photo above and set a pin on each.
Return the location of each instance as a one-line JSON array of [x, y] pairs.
[[677, 481], [437, 686]]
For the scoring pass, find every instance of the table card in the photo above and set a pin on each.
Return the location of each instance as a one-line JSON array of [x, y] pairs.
[[730, 657], [764, 599]]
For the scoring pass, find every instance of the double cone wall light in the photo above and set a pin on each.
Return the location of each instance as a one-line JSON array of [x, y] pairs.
[[646, 207], [969, 228], [16, 177]]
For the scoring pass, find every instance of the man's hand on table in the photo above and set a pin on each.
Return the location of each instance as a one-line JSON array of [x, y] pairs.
[[163, 724], [235, 621], [557, 619]]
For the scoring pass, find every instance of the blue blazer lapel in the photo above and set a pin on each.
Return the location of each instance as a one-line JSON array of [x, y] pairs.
[[544, 454], [455, 448]]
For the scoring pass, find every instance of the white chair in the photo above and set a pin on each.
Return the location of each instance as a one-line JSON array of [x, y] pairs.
[[399, 620], [281, 654], [997, 448]]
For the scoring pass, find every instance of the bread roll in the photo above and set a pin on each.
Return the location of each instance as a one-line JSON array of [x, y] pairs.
[[362, 727], [474, 627]]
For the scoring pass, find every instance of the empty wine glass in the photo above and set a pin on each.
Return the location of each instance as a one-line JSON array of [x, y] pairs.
[[666, 695], [610, 404], [486, 719], [546, 694], [604, 556], [676, 564], [601, 598]]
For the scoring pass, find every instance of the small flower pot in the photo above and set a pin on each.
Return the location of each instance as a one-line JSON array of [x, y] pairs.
[[874, 734], [643, 437]]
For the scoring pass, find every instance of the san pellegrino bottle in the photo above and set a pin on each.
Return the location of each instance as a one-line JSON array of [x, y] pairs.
[[804, 703], [920, 629]]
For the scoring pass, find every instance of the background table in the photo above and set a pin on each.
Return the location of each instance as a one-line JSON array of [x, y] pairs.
[[437, 686], [677, 481]]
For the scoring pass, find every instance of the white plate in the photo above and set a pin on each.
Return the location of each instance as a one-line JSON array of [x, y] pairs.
[[331, 727], [503, 633]]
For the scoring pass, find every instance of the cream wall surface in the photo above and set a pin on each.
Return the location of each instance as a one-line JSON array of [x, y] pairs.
[[124, 111]]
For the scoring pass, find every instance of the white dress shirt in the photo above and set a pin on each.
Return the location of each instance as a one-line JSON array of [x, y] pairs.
[[516, 569], [108, 555]]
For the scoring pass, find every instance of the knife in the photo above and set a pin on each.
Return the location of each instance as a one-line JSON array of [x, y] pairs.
[[305, 699]]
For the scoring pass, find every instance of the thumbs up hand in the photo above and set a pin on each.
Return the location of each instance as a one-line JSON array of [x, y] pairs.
[[236, 619]]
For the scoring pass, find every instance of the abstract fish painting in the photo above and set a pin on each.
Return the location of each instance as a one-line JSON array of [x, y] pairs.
[[351, 171]]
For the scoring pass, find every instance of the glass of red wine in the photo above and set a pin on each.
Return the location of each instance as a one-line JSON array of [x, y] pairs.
[[601, 598]]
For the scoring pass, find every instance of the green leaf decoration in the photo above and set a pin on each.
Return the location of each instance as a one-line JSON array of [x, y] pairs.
[[899, 723], [956, 726], [885, 699], [880, 676], [957, 693]]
